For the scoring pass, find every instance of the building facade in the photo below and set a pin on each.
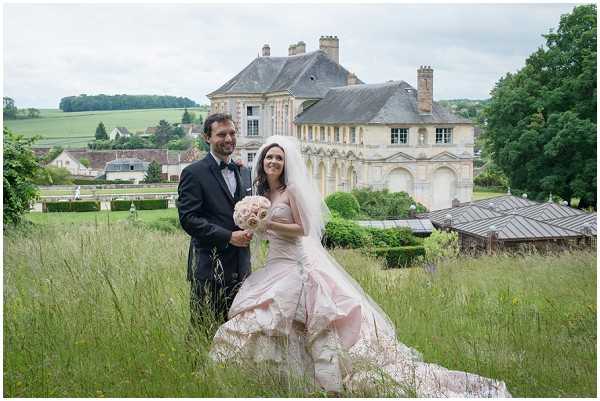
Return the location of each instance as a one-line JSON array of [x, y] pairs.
[[353, 135]]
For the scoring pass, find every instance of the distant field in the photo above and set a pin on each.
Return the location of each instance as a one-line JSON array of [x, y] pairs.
[[77, 129]]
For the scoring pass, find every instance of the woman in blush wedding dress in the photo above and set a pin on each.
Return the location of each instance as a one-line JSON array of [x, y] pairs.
[[305, 314]]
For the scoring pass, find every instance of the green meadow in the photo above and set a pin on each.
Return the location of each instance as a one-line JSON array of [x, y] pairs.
[[76, 129], [99, 308]]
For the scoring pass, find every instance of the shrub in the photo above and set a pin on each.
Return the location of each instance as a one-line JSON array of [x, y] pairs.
[[344, 233], [401, 256], [344, 203], [491, 177], [71, 206], [20, 168], [441, 245], [391, 237], [145, 204], [384, 204], [166, 224], [52, 175]]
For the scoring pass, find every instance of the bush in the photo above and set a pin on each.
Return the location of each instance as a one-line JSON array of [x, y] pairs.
[[145, 204], [71, 206], [52, 175], [166, 224], [344, 203], [20, 168], [384, 204], [401, 256], [391, 237], [344, 233], [441, 245], [491, 177]]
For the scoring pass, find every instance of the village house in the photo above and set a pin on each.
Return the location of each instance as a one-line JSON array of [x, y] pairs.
[[119, 132], [126, 169], [172, 162], [388, 135]]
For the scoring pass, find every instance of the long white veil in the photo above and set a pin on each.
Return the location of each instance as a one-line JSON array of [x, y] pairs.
[[314, 215]]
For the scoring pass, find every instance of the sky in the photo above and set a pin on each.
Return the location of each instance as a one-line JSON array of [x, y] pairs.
[[56, 50]]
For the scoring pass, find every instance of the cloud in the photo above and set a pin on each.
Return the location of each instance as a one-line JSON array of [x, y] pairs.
[[52, 51]]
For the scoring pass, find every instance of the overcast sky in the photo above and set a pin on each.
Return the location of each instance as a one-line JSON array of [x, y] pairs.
[[53, 51]]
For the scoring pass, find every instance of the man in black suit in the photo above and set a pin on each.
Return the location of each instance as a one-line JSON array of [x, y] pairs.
[[219, 258]]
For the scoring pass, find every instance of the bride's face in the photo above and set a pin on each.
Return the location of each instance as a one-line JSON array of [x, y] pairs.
[[273, 162]]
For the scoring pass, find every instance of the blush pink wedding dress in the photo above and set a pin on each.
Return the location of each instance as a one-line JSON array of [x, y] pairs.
[[295, 313]]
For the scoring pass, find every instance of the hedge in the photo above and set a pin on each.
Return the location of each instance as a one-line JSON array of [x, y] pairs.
[[344, 233], [71, 206], [391, 237], [344, 203], [145, 204], [401, 256]]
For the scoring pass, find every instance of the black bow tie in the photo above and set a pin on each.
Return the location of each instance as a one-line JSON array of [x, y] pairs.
[[230, 166]]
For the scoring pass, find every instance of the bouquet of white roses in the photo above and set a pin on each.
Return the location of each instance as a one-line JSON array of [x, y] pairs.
[[251, 213]]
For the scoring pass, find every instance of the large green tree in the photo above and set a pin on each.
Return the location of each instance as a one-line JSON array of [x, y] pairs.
[[101, 134], [186, 118], [153, 172], [541, 120], [20, 169]]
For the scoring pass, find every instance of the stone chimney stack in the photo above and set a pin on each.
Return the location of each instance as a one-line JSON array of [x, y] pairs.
[[331, 46], [352, 79], [425, 89], [292, 50], [266, 50], [300, 47]]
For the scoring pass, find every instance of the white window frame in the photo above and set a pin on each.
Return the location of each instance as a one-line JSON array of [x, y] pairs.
[[250, 157], [253, 120], [400, 135], [443, 135]]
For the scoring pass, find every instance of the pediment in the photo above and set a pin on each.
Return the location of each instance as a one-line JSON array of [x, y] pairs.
[[444, 156], [400, 157]]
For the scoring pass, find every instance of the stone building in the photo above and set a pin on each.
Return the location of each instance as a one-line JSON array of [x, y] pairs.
[[387, 135]]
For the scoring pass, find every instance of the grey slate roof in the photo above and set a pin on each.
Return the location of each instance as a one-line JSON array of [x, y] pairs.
[[387, 103], [125, 165], [462, 214], [546, 211], [514, 227], [504, 203], [307, 75], [575, 222], [418, 226]]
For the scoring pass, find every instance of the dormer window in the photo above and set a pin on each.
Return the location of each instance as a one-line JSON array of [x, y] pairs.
[[131, 167]]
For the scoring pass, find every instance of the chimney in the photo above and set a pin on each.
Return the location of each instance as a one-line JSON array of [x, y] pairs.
[[425, 89], [352, 79], [300, 47], [292, 50], [266, 50], [331, 46]]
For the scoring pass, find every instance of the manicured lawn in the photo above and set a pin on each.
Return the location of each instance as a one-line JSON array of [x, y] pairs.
[[103, 217], [486, 195], [76, 129], [85, 191]]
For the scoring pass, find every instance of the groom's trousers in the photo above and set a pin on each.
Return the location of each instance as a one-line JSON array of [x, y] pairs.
[[210, 301]]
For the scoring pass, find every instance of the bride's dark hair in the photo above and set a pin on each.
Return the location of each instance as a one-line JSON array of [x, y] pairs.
[[262, 185]]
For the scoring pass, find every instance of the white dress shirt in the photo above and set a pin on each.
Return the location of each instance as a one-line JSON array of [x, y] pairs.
[[228, 175]]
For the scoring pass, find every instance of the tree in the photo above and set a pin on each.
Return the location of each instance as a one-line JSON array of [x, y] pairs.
[[201, 144], [199, 120], [85, 161], [53, 175], [101, 132], [163, 133], [153, 172], [186, 118], [53, 154], [10, 110], [20, 168], [541, 120], [179, 144], [33, 113]]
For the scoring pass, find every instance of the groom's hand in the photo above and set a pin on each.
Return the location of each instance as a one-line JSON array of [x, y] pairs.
[[240, 238]]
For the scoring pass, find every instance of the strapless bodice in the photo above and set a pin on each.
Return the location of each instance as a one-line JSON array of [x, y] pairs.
[[281, 246]]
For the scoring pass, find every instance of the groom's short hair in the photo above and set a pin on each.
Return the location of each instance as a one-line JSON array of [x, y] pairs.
[[218, 118]]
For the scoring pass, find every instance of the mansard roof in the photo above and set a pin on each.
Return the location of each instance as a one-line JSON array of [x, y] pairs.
[[393, 102], [307, 75]]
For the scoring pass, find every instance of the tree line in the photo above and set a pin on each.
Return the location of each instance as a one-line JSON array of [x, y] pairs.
[[122, 102], [11, 112]]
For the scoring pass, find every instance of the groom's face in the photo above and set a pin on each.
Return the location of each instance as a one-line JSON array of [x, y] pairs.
[[223, 138]]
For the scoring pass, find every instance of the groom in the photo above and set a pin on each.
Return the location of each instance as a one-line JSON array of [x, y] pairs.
[[218, 258]]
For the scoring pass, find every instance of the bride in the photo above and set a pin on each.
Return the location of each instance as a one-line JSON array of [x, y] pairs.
[[303, 313]]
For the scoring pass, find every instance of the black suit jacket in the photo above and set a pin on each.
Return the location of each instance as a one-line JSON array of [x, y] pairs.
[[205, 208]]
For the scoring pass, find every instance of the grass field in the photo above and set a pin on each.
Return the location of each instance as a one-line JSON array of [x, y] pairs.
[[101, 310], [103, 217], [76, 129]]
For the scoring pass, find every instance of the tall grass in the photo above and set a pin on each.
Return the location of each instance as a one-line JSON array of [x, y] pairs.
[[102, 310]]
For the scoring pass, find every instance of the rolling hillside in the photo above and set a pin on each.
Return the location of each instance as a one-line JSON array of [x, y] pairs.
[[77, 129]]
